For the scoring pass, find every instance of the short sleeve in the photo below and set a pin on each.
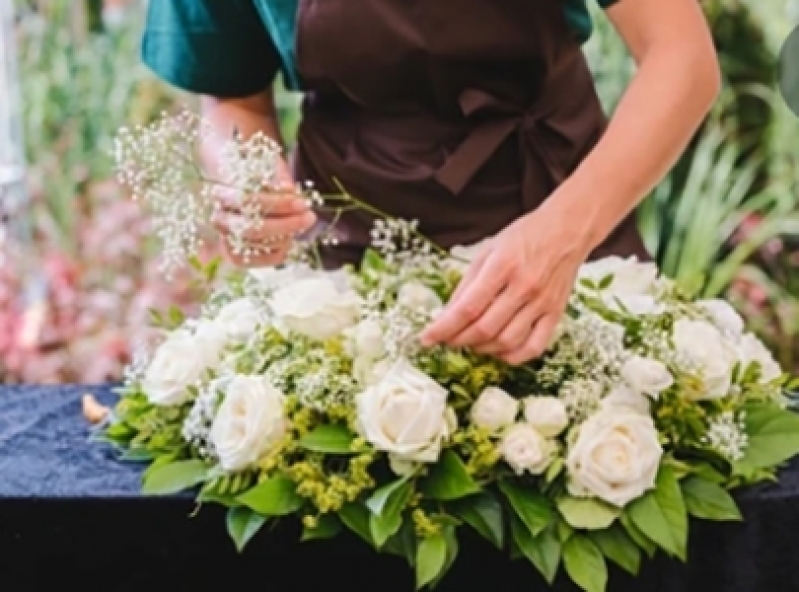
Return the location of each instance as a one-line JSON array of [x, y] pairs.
[[214, 47]]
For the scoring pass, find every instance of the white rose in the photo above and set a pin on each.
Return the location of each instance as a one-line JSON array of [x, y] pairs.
[[548, 415], [629, 275], [624, 396], [646, 376], [525, 449], [240, 319], [315, 307], [723, 315], [249, 423], [615, 457], [417, 296], [703, 351], [406, 414], [751, 349], [179, 363], [494, 409], [368, 371]]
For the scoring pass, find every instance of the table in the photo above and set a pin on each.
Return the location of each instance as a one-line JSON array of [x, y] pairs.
[[71, 517]]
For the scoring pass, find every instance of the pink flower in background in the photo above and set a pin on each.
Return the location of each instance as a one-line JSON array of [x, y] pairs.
[[95, 303]]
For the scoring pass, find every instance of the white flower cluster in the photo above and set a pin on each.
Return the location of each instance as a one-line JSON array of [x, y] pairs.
[[348, 339]]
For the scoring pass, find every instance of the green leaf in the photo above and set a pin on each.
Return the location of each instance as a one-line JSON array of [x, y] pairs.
[[329, 439], [327, 527], [669, 497], [451, 539], [483, 513], [388, 522], [242, 525], [648, 517], [137, 455], [587, 513], [356, 517], [379, 498], [705, 499], [532, 507], [555, 469], [431, 557], [449, 480], [773, 437], [636, 535], [174, 477], [274, 497], [585, 564], [403, 544], [543, 551], [617, 546]]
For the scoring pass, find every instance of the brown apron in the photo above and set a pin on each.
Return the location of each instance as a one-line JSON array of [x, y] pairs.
[[461, 114]]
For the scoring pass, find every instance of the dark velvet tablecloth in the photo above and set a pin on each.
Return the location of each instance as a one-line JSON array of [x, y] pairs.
[[71, 518]]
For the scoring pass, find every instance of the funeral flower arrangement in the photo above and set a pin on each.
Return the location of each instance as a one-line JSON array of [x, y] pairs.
[[303, 393]]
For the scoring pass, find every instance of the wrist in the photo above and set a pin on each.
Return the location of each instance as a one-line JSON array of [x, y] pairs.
[[577, 219]]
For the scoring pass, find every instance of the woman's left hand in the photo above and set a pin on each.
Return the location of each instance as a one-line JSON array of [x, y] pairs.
[[514, 293]]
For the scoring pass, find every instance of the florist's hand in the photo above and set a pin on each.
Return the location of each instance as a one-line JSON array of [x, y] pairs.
[[514, 293], [283, 215]]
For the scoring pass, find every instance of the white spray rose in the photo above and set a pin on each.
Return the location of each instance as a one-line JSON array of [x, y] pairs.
[[406, 414], [751, 349], [180, 361], [176, 365], [646, 376], [705, 353], [494, 409], [630, 276], [365, 340], [249, 423], [240, 318], [525, 449], [211, 339], [615, 457], [625, 397], [416, 296], [548, 415], [315, 307], [635, 304], [723, 315]]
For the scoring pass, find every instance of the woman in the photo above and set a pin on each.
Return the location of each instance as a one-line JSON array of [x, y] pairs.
[[477, 117]]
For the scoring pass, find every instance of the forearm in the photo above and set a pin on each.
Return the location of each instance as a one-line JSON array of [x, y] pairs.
[[246, 116], [656, 118]]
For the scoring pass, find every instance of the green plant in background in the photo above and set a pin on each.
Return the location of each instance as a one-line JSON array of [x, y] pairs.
[[79, 85]]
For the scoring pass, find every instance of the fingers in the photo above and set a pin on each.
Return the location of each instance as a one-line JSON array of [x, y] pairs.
[[536, 343], [267, 229], [276, 255], [267, 204], [492, 322], [477, 296], [515, 333], [472, 271]]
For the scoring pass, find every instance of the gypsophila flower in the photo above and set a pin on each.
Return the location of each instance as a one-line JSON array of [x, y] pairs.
[[726, 435], [197, 426], [581, 398]]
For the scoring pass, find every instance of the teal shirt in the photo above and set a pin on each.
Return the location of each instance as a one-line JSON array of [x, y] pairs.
[[236, 47]]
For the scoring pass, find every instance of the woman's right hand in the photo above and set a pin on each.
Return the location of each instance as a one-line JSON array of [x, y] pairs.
[[282, 214]]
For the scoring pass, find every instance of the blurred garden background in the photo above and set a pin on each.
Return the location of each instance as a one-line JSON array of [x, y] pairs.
[[79, 267]]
